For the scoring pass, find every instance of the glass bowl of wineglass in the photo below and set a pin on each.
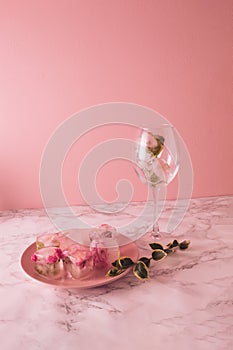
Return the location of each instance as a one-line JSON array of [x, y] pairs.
[[156, 164]]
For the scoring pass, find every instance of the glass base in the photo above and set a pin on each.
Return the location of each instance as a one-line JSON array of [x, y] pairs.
[[153, 236]]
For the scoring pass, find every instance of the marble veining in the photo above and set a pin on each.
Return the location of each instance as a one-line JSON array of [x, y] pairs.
[[186, 303]]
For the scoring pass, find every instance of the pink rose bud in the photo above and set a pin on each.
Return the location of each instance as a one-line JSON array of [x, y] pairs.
[[34, 257], [151, 141]]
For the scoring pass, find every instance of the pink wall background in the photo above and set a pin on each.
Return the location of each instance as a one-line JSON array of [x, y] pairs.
[[59, 56]]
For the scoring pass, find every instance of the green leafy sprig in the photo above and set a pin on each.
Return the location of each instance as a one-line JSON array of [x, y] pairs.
[[141, 266]]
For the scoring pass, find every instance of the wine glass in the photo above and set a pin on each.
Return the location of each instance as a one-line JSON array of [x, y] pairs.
[[156, 163]]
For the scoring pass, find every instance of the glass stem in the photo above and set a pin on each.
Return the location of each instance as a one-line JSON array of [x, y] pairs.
[[155, 193]]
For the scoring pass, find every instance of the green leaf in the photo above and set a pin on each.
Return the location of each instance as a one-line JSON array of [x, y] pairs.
[[114, 263], [145, 260], [141, 270], [125, 262], [184, 245], [113, 272], [175, 243], [169, 251], [156, 246], [158, 254]]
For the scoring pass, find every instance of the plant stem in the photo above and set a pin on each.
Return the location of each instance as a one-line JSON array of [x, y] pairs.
[[155, 229]]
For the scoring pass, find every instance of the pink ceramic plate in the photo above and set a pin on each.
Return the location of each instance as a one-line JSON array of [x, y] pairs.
[[94, 279]]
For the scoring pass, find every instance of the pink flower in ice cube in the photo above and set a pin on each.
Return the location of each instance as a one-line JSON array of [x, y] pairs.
[[59, 253], [52, 259], [34, 257], [99, 253]]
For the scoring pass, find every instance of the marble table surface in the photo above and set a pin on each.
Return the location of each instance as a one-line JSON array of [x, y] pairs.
[[186, 303]]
